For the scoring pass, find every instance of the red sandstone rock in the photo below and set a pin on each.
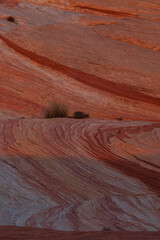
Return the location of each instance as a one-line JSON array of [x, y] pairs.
[[95, 55], [80, 175], [101, 58], [41, 234]]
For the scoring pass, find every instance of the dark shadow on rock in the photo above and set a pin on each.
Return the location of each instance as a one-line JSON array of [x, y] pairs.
[[79, 115]]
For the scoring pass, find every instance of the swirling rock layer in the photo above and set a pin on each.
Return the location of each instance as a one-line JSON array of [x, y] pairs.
[[80, 175], [100, 57]]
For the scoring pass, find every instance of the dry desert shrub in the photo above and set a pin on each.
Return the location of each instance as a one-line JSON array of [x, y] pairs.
[[56, 110], [10, 19]]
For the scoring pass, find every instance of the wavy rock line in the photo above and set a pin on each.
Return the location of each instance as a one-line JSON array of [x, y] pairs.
[[71, 174], [107, 11], [118, 89]]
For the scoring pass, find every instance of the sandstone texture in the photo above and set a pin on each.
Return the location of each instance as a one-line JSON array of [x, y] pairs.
[[95, 178], [80, 175], [95, 55], [19, 233]]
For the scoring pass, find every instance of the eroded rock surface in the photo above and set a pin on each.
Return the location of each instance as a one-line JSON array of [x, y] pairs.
[[19, 233], [98, 55], [101, 58], [80, 174]]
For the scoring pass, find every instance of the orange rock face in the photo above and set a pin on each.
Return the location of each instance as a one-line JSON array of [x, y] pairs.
[[103, 57], [100, 174]]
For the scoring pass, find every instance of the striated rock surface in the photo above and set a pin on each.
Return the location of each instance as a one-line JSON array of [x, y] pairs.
[[32, 233], [80, 175], [102, 56]]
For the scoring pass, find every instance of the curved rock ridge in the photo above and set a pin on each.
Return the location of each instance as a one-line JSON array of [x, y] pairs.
[[100, 56], [30, 233], [132, 8], [88, 178], [80, 175]]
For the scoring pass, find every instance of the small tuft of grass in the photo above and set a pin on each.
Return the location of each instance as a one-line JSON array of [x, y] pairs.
[[10, 19], [80, 115], [56, 110]]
